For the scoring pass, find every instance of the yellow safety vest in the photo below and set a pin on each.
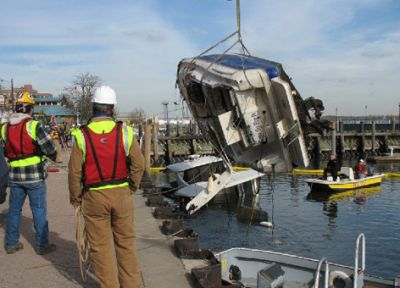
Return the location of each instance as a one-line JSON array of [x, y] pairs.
[[31, 129], [104, 127]]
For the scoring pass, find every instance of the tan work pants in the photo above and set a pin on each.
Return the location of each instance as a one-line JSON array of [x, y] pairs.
[[59, 157], [109, 222]]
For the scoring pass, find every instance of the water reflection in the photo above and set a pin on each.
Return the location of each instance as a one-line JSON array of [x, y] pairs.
[[310, 225], [243, 201], [329, 200], [358, 196]]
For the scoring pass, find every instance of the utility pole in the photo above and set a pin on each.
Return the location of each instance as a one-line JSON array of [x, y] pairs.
[[183, 117], [177, 118], [12, 95], [337, 124], [166, 115]]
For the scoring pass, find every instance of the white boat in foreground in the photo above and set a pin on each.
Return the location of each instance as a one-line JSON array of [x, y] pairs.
[[249, 109], [262, 269]]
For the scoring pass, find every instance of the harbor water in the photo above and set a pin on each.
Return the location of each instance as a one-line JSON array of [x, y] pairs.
[[312, 226]]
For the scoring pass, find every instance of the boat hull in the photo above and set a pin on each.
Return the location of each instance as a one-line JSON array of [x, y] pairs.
[[344, 185], [247, 107]]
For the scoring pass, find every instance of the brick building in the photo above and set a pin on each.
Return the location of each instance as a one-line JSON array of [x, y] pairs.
[[46, 105]]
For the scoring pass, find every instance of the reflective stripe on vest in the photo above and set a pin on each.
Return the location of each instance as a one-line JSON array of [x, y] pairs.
[[101, 127], [30, 127]]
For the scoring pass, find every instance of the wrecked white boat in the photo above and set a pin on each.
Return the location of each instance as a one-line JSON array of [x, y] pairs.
[[249, 109], [194, 169], [200, 179]]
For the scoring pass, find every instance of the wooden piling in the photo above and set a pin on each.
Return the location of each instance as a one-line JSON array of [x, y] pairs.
[[155, 139], [333, 139], [385, 148], [193, 146], [140, 128], [147, 146], [316, 151], [169, 152], [362, 126], [373, 138], [393, 125], [341, 130]]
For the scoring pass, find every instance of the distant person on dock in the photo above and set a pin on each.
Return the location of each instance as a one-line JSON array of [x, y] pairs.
[[26, 141], [332, 167], [361, 169], [105, 168]]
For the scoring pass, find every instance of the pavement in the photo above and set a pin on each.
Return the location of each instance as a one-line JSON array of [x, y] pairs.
[[159, 265]]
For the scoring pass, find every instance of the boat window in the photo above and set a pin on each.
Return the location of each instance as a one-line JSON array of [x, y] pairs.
[[219, 98], [202, 173], [195, 92]]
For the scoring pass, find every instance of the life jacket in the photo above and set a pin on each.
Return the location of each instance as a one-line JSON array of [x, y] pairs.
[[105, 158], [362, 169], [19, 144]]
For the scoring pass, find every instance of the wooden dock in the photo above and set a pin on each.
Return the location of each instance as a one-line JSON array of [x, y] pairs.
[[348, 141]]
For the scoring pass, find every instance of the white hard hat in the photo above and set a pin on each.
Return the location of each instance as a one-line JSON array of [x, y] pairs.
[[361, 161], [105, 95]]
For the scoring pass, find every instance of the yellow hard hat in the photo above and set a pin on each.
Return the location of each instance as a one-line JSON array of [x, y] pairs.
[[26, 98]]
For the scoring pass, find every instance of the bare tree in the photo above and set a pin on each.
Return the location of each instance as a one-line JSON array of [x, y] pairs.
[[80, 94], [137, 116], [67, 101]]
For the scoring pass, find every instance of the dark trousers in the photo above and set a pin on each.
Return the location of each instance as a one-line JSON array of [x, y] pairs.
[[332, 171]]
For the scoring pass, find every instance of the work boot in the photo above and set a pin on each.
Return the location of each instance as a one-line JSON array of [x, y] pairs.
[[45, 250], [12, 250]]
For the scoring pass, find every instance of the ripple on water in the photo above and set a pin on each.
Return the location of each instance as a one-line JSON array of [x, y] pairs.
[[311, 228]]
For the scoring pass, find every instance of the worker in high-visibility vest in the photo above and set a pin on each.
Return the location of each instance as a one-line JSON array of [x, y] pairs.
[[105, 168], [26, 141]]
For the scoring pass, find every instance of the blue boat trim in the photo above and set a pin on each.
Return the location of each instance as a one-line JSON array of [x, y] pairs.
[[240, 62]]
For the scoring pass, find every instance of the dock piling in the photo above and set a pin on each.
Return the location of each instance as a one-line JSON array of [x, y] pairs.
[[147, 147]]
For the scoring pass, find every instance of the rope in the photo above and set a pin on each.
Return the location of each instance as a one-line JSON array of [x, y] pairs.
[[157, 238], [216, 44], [82, 243]]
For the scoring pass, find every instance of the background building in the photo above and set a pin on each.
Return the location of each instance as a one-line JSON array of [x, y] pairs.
[[46, 105]]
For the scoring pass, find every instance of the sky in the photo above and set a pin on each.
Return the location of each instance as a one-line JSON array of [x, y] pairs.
[[344, 52]]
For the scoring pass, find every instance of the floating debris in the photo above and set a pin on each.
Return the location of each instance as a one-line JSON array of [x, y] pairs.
[[266, 224]]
